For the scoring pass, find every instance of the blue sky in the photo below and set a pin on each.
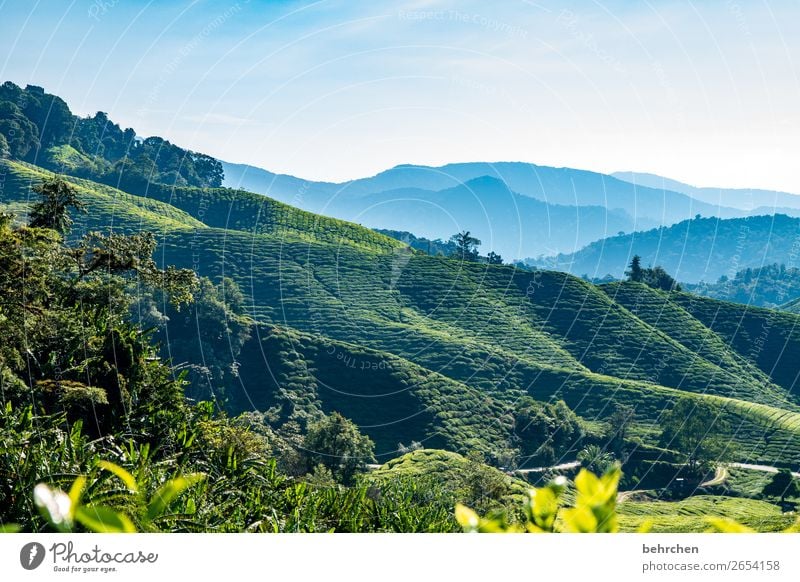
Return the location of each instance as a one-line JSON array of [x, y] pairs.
[[705, 92]]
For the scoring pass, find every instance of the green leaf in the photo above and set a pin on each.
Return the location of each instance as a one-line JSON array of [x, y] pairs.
[[579, 520], [167, 493], [587, 483], [727, 525], [76, 491], [466, 518], [9, 528], [103, 519], [542, 507], [124, 476]]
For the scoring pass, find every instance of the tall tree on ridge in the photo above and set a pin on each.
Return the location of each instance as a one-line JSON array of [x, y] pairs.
[[635, 271], [466, 246]]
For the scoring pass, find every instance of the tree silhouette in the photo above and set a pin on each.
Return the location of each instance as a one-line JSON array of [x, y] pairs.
[[466, 246], [494, 259], [336, 442], [635, 271]]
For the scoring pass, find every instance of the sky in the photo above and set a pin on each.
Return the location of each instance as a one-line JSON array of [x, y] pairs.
[[704, 92]]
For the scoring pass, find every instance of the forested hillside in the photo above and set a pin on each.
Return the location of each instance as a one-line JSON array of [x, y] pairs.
[[38, 127], [769, 286], [700, 249]]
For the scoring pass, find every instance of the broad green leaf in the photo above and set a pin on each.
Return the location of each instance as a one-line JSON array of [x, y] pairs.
[[543, 507], [611, 481], [167, 493], [124, 476], [102, 519], [466, 518], [9, 528], [587, 483], [579, 520]]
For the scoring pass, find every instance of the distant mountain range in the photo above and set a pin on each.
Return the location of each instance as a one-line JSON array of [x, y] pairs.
[[517, 209], [750, 199], [700, 249]]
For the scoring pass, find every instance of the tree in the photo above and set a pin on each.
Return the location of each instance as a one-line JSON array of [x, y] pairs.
[[4, 149], [782, 485], [130, 256], [484, 486], [494, 259], [693, 429], [545, 431], [57, 196], [595, 459], [619, 422], [66, 330], [208, 337], [658, 278], [466, 246], [209, 170], [635, 271], [21, 133], [50, 115], [336, 442]]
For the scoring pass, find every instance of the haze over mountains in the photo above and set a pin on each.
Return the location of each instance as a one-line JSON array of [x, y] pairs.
[[751, 199], [517, 209]]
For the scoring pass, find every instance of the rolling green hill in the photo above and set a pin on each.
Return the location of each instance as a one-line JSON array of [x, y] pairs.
[[108, 207], [431, 349]]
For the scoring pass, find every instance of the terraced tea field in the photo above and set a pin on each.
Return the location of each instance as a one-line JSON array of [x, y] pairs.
[[436, 350]]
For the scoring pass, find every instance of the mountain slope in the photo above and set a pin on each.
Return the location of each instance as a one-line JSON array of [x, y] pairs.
[[110, 208], [691, 251], [168, 208], [427, 348], [562, 186], [742, 198], [507, 223], [478, 325]]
